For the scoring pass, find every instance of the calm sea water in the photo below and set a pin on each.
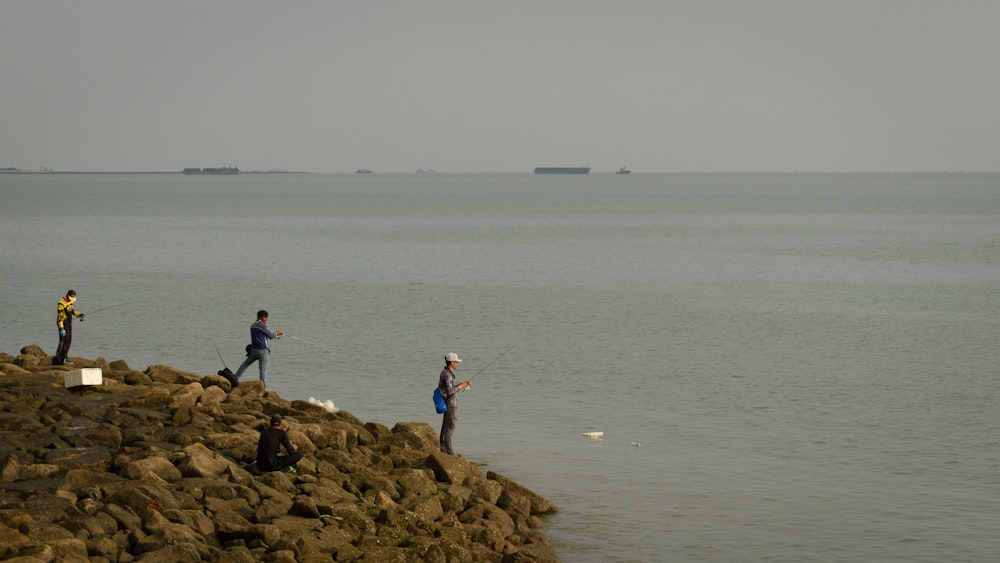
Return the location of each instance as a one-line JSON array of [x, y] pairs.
[[786, 367]]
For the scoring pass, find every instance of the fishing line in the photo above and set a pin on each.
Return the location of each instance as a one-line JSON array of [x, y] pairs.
[[308, 342], [491, 363], [112, 307]]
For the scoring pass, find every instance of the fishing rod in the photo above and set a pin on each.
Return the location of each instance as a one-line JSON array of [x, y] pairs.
[[220, 355], [112, 307], [491, 363], [307, 342]]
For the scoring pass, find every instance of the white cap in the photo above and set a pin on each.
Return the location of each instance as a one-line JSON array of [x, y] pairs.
[[451, 357]]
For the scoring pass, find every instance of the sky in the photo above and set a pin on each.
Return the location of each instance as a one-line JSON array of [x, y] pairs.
[[501, 86]]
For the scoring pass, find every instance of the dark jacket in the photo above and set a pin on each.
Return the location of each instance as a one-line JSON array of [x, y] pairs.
[[269, 445]]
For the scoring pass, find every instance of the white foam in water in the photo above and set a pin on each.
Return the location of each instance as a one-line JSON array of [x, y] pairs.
[[327, 404]]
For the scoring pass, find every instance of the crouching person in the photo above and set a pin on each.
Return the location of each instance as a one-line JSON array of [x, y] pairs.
[[272, 441]]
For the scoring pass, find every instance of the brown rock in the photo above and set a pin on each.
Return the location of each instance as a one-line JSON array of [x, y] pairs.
[[155, 467], [172, 554], [187, 396], [488, 515], [34, 350], [68, 549], [167, 374], [450, 468], [11, 540], [230, 525], [539, 504], [304, 507], [428, 509], [141, 496], [11, 368], [415, 435], [202, 462]]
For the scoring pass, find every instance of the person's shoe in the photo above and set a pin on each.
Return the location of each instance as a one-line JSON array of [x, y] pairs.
[[293, 470], [68, 361]]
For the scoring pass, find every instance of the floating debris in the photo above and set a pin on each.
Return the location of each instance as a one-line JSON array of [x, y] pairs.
[[593, 434], [636, 444]]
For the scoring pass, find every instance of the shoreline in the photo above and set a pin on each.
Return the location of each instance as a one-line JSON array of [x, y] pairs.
[[151, 464]]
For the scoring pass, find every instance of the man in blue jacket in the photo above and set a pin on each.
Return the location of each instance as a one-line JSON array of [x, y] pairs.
[[258, 350]]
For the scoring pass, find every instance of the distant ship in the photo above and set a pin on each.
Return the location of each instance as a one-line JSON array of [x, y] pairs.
[[362, 171], [563, 170], [225, 171], [623, 170]]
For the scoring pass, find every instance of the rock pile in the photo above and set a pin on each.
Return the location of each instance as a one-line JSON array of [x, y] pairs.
[[150, 466]]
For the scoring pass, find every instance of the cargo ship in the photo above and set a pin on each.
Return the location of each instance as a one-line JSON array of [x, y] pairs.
[[225, 170], [563, 170]]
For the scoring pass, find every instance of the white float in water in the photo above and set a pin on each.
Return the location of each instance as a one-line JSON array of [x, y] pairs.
[[593, 434]]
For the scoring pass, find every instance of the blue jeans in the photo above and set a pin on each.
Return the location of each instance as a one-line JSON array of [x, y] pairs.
[[256, 354]]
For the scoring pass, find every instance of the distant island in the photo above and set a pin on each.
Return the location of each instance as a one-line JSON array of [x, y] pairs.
[[562, 170], [221, 171], [225, 171]]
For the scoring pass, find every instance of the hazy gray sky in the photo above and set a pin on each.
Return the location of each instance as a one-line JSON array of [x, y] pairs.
[[501, 86]]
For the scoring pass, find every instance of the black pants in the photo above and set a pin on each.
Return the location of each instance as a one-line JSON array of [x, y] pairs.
[[64, 341], [282, 461], [448, 428]]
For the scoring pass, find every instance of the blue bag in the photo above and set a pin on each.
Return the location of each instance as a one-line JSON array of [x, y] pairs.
[[439, 405]]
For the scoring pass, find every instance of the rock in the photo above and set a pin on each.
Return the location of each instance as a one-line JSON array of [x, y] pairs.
[[11, 540], [489, 515], [449, 468], [202, 462], [186, 397], [153, 466], [427, 509], [11, 468], [539, 504], [34, 350], [167, 374], [11, 368], [212, 396], [415, 435]]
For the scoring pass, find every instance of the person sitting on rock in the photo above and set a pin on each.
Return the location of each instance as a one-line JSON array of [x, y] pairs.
[[272, 440]]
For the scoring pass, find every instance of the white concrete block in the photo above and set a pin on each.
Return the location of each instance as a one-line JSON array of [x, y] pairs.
[[85, 376]]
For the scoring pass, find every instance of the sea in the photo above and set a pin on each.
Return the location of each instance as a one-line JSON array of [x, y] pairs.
[[784, 367]]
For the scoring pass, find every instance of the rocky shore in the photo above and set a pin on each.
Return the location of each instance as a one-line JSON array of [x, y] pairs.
[[150, 466]]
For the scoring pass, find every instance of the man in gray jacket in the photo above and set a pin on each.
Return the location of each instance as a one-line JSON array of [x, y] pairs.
[[448, 389]]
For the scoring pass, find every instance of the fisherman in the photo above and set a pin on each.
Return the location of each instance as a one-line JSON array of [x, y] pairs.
[[272, 440], [64, 322], [258, 350], [448, 389]]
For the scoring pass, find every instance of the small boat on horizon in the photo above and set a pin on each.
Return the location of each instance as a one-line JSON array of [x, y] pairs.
[[624, 170]]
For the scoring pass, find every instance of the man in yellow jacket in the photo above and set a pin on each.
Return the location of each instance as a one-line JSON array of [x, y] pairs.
[[64, 322]]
